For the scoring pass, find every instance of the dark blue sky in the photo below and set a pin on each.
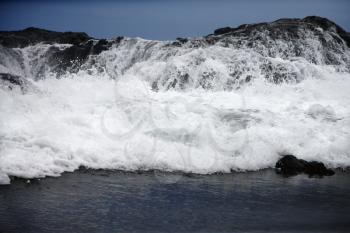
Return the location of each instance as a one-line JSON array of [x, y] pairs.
[[160, 19]]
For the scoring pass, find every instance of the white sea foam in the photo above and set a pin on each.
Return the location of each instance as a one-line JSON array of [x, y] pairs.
[[100, 123], [211, 122]]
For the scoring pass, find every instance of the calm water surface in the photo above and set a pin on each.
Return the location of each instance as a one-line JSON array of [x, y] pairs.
[[103, 201]]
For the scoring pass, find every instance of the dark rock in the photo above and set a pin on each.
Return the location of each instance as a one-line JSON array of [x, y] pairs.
[[317, 168], [71, 58], [283, 29], [263, 38], [179, 42], [61, 60], [326, 24], [290, 165], [281, 26], [176, 44], [10, 81], [11, 78], [182, 40], [224, 30], [31, 36], [100, 46]]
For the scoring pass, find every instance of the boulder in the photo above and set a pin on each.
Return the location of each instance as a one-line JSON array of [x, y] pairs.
[[290, 165]]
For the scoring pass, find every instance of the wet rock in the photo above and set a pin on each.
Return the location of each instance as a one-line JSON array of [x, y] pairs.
[[281, 29], [71, 58], [31, 36], [290, 165], [182, 40], [179, 42], [224, 30], [284, 38], [59, 60], [100, 46], [11, 78], [317, 168], [10, 81], [295, 33], [326, 24]]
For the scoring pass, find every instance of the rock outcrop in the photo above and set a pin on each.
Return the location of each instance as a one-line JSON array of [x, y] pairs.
[[283, 29], [279, 51], [68, 59], [290, 165], [32, 36], [11, 81], [295, 35], [71, 58]]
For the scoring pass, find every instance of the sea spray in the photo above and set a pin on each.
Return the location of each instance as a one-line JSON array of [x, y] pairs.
[[195, 107]]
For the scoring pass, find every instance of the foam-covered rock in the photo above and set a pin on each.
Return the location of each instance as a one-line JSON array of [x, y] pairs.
[[274, 50], [11, 81]]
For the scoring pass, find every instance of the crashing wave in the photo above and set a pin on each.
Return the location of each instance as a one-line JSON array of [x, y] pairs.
[[233, 100]]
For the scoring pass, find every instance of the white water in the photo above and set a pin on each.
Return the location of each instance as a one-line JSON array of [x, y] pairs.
[[94, 121]]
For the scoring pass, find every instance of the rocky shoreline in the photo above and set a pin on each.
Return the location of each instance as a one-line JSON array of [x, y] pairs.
[[289, 169], [80, 47], [253, 57]]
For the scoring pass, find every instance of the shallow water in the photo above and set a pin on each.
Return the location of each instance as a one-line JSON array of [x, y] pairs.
[[104, 201]]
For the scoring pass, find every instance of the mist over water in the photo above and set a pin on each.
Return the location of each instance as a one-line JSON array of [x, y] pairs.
[[145, 105]]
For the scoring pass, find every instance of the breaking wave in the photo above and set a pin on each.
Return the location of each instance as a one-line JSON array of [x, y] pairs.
[[143, 105]]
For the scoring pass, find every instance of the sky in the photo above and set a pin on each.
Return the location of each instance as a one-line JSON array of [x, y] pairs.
[[160, 19]]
